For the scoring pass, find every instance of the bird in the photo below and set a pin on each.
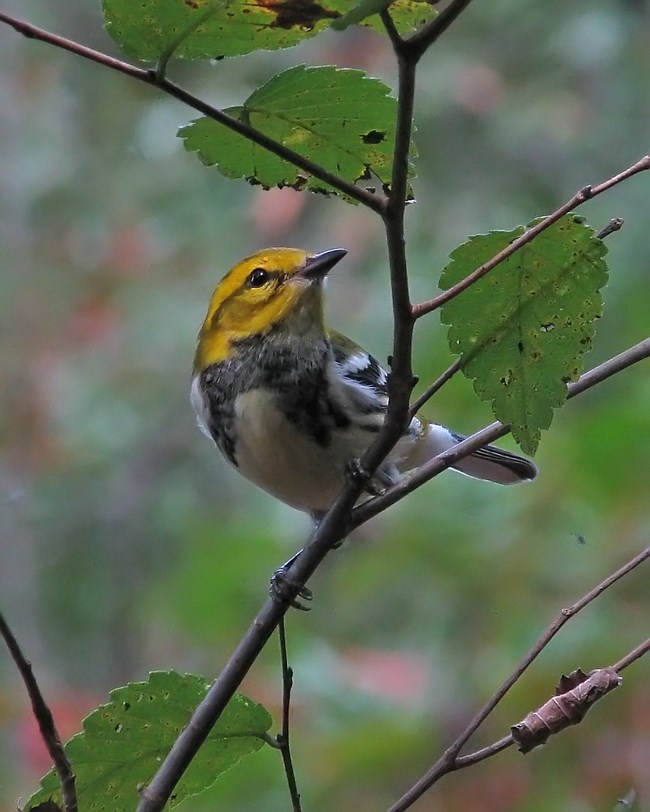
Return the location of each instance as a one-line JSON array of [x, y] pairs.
[[291, 403]]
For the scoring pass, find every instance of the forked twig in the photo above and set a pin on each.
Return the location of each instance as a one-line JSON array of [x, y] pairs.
[[585, 194], [448, 761]]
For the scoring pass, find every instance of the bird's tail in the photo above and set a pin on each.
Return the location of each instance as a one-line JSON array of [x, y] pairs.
[[490, 463]]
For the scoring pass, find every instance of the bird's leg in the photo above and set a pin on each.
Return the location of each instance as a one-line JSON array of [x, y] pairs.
[[357, 473], [282, 587]]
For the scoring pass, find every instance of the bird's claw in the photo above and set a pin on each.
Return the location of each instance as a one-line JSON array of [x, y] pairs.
[[357, 473], [282, 589]]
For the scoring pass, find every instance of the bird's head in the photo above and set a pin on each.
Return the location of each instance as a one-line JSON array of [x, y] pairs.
[[274, 288]]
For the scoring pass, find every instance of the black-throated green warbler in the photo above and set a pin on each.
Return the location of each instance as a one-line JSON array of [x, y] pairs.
[[290, 403]]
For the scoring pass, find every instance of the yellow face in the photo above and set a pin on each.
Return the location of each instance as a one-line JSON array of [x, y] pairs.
[[275, 286]]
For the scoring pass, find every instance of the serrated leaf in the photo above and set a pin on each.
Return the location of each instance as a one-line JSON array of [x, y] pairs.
[[522, 329], [124, 742], [213, 29], [342, 118]]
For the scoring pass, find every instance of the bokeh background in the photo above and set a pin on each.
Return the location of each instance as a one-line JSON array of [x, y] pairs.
[[127, 545]]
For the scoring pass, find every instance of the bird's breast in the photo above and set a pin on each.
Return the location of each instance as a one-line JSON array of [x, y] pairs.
[[276, 453]]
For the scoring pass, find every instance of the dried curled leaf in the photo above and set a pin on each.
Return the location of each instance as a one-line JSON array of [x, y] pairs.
[[574, 696]]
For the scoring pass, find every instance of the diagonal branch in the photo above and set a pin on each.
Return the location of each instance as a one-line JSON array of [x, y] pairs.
[[633, 656], [489, 434], [461, 762], [435, 387], [449, 762], [529, 235], [151, 77], [43, 715]]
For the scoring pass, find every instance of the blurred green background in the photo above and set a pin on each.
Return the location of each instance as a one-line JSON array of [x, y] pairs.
[[127, 545]]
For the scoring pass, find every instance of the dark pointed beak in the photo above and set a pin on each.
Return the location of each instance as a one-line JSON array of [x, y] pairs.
[[318, 266]]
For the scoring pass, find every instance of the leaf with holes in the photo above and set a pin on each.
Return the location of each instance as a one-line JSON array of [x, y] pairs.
[[213, 29], [124, 742], [407, 15], [522, 329], [342, 118]]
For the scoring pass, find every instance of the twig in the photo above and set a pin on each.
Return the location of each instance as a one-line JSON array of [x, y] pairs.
[[632, 656], [431, 390], [419, 42], [150, 77], [588, 193], [391, 29], [489, 434], [448, 761], [461, 762], [283, 737], [43, 715]]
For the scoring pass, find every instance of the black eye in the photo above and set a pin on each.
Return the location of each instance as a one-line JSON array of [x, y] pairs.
[[258, 278]]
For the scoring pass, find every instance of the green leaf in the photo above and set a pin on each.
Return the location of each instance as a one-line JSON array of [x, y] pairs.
[[342, 118], [407, 16], [523, 328], [124, 742], [359, 12], [213, 29], [146, 29]]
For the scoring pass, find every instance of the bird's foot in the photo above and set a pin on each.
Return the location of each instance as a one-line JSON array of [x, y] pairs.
[[283, 589], [357, 473]]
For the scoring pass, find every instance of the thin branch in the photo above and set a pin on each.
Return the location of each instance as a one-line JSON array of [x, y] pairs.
[[391, 29], [588, 193], [632, 656], [431, 390], [331, 529], [448, 761], [43, 715], [419, 42], [489, 434], [461, 762], [150, 77], [283, 738]]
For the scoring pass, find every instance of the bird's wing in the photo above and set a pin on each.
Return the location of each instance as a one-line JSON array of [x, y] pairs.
[[357, 368], [359, 383]]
